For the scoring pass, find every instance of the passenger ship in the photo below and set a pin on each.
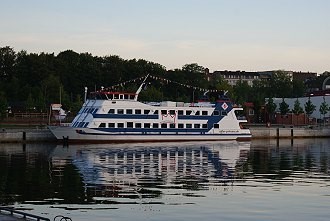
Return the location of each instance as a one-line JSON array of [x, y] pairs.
[[110, 116]]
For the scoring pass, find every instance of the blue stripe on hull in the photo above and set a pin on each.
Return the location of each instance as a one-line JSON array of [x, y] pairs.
[[162, 134]]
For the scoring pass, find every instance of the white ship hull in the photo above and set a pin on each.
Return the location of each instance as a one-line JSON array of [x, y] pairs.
[[93, 136]]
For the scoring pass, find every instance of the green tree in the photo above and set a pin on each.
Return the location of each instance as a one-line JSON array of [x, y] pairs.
[[3, 105], [29, 104], [271, 107], [241, 92], [297, 109], [324, 108], [7, 63], [284, 107], [309, 108]]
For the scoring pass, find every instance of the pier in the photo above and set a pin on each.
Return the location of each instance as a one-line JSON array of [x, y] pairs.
[[258, 132]]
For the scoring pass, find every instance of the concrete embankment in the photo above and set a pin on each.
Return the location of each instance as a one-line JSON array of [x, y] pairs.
[[26, 135], [294, 132], [44, 135]]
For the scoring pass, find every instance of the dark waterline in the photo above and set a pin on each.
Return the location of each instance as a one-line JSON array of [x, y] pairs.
[[258, 180]]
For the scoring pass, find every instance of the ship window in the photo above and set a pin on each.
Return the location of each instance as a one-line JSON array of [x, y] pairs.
[[180, 125], [138, 125], [156, 112], [197, 125], [146, 111], [111, 125], [116, 96], [111, 111], [188, 112], [172, 112], [172, 125], [163, 125], [129, 124], [188, 125], [216, 113], [204, 125], [155, 125], [120, 111], [129, 111], [197, 113], [121, 96], [204, 113], [223, 113], [137, 111], [147, 125], [164, 111], [180, 112], [120, 125], [216, 125], [102, 125]]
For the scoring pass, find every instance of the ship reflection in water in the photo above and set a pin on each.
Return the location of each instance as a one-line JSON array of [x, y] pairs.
[[143, 170], [258, 180]]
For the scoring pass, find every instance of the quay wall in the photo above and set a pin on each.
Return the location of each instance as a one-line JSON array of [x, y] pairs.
[[26, 135], [44, 135]]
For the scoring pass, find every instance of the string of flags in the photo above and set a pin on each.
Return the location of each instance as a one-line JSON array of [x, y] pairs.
[[167, 81]]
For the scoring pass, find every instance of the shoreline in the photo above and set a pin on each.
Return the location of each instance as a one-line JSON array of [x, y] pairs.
[[42, 134]]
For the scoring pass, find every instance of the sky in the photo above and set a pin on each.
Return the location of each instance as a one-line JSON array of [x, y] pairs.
[[246, 35]]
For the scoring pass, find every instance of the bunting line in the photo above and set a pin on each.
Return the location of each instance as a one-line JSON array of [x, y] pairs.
[[160, 79]]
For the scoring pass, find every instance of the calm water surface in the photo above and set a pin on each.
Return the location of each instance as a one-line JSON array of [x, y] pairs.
[[258, 180]]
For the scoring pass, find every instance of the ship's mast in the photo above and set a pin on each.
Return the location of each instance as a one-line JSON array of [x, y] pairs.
[[140, 88]]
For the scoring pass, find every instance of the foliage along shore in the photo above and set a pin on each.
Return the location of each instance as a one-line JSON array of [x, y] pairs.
[[33, 81]]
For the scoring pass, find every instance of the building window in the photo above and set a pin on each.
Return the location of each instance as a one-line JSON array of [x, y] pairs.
[[111, 125], [223, 113], [216, 126], [188, 112], [129, 124], [180, 125], [137, 111], [172, 125], [111, 111], [120, 111], [172, 112], [156, 112], [180, 112], [197, 113], [188, 125], [147, 125], [204, 113], [102, 125], [129, 111], [251, 112], [197, 126], [146, 111], [204, 126], [120, 125]]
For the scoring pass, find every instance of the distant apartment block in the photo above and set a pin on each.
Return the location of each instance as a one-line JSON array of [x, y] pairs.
[[233, 77]]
